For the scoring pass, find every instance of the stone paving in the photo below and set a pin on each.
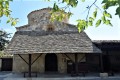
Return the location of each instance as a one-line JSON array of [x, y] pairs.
[[12, 76]]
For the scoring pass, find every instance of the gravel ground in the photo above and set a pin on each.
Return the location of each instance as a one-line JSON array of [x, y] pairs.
[[12, 76]]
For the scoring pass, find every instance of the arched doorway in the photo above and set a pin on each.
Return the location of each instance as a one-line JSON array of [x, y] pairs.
[[51, 62]]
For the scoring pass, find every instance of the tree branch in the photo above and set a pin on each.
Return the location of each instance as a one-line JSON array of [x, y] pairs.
[[98, 7], [89, 7]]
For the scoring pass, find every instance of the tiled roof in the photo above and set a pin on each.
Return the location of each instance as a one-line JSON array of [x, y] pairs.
[[30, 42]]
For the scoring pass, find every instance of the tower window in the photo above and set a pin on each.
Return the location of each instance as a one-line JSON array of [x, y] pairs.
[[50, 27]]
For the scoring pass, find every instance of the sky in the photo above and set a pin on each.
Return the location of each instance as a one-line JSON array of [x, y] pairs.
[[21, 8]]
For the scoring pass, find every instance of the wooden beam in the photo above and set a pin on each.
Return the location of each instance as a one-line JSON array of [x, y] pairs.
[[82, 58], [68, 57], [29, 72], [36, 59], [76, 63], [23, 59], [101, 63]]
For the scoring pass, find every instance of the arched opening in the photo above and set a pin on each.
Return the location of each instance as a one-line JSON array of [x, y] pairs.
[[51, 62], [50, 27]]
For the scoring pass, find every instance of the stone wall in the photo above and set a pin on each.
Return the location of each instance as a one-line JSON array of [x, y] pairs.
[[39, 66]]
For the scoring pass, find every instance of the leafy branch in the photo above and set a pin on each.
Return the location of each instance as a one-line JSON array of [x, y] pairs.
[[5, 11], [81, 23]]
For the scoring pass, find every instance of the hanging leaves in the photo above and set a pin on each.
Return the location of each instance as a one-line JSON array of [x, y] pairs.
[[60, 14], [90, 20], [82, 24], [5, 11], [105, 13], [109, 3]]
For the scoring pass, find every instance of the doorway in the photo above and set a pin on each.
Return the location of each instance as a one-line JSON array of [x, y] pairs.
[[51, 63], [106, 63], [7, 64]]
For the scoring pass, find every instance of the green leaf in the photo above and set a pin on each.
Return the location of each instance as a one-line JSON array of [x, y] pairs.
[[105, 13], [7, 13], [95, 13], [1, 5], [108, 15], [6, 4], [91, 19], [103, 19], [8, 21], [73, 3], [67, 1], [98, 23], [82, 24], [69, 14], [104, 6], [118, 12], [55, 7], [1, 13], [108, 22], [104, 1], [90, 23], [109, 3], [13, 23]]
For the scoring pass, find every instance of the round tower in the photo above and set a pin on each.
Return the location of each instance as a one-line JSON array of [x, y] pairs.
[[41, 16], [40, 19]]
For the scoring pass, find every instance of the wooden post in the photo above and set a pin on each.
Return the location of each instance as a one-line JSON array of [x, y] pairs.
[[76, 63], [101, 63], [29, 73]]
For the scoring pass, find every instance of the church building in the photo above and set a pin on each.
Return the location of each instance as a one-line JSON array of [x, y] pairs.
[[44, 46]]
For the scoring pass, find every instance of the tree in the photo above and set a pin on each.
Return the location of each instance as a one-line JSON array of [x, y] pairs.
[[5, 11], [82, 23], [3, 39]]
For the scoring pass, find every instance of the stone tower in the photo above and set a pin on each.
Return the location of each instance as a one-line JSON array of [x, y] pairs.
[[40, 20]]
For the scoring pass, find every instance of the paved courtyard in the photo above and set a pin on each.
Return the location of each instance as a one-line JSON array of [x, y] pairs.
[[12, 76]]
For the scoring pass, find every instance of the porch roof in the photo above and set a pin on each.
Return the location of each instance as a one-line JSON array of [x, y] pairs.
[[30, 42], [111, 45]]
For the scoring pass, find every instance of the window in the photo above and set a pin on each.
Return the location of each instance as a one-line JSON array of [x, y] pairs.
[[50, 27]]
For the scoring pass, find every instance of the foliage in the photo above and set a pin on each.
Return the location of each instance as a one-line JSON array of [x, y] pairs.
[[5, 11], [3, 39], [82, 23]]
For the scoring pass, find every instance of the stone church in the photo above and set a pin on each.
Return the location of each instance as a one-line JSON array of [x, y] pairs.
[[44, 46]]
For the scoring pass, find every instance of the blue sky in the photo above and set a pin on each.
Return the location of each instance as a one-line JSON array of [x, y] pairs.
[[21, 8]]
